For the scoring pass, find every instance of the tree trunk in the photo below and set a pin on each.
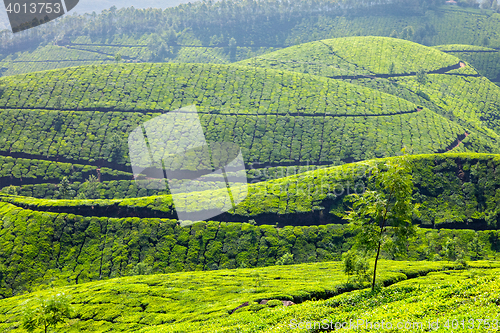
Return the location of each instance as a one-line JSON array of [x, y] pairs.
[[375, 267], [46, 328]]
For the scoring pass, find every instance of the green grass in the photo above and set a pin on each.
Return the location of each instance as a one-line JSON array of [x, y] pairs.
[[189, 299], [40, 249]]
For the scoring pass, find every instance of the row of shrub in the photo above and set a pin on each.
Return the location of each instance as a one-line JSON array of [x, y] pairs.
[[219, 88], [16, 170], [459, 95], [115, 189], [453, 189], [90, 136], [47, 248]]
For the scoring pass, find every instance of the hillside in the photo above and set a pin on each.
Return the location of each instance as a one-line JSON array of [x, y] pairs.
[[448, 86], [81, 117], [484, 59], [187, 33], [188, 169], [180, 301], [456, 190], [73, 241]]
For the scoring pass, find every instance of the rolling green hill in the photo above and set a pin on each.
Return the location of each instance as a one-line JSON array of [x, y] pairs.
[[181, 301], [485, 60], [450, 87], [279, 118], [316, 95]]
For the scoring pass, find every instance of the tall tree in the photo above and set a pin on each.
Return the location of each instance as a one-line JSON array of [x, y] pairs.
[[384, 216]]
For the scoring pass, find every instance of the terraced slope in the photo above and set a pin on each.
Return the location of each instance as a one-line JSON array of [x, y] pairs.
[[484, 59], [450, 86], [187, 35], [175, 301], [277, 117], [453, 189]]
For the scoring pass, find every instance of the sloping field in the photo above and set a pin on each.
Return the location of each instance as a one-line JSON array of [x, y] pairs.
[[455, 189], [446, 84], [193, 298], [484, 59], [83, 116]]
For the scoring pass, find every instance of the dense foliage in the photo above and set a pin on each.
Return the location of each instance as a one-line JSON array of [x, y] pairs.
[[453, 189], [43, 248], [22, 170], [458, 300], [182, 301]]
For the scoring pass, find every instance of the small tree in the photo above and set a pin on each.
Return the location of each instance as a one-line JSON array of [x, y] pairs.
[[90, 189], [356, 265], [372, 213], [12, 190], [118, 57], [286, 259], [64, 189], [232, 49], [47, 313], [421, 76], [408, 33]]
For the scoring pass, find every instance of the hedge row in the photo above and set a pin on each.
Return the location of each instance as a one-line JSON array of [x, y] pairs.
[[219, 88], [15, 170], [57, 249], [453, 189], [87, 135], [115, 189], [485, 60]]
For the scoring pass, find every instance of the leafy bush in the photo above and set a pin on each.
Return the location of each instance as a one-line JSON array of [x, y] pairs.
[[286, 259]]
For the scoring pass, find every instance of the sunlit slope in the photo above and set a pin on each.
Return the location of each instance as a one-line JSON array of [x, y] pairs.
[[353, 56], [484, 59], [277, 117], [428, 301], [453, 189], [448, 85], [192, 299], [213, 88]]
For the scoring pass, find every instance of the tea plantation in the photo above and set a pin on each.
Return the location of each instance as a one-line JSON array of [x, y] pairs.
[[318, 96], [457, 189], [183, 301]]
